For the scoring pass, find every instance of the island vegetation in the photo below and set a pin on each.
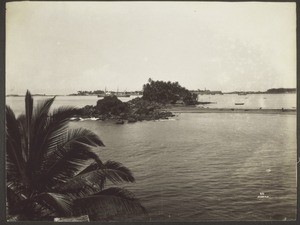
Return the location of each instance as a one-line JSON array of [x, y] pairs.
[[167, 92], [53, 171], [157, 95]]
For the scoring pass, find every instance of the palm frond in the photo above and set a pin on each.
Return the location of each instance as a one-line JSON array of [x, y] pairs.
[[58, 125], [13, 145], [123, 171], [84, 136], [54, 132], [88, 188], [93, 166], [38, 131], [69, 161], [14, 197], [120, 173], [109, 202], [24, 135], [12, 172], [61, 204], [28, 111], [45, 206], [69, 140], [95, 179]]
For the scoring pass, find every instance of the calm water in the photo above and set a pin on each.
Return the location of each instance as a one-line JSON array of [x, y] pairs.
[[265, 101], [18, 104], [198, 167], [208, 166]]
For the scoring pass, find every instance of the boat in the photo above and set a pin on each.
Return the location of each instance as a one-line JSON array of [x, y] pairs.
[[106, 93], [119, 94], [239, 103]]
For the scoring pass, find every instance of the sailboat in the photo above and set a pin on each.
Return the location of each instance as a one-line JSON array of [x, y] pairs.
[[118, 94], [104, 94]]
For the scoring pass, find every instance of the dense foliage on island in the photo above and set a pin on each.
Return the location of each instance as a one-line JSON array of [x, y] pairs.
[[167, 92], [137, 109], [156, 95]]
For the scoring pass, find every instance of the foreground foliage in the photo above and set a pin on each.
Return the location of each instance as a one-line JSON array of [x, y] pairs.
[[52, 171]]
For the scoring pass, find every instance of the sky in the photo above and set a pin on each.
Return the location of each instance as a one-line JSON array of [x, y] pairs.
[[64, 47]]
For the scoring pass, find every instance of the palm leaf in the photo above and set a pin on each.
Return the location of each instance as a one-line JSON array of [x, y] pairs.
[[58, 126], [69, 161], [24, 135], [109, 202], [28, 111], [37, 134], [94, 180], [13, 145], [62, 205], [123, 171], [93, 166], [68, 142], [46, 206], [54, 132], [14, 197]]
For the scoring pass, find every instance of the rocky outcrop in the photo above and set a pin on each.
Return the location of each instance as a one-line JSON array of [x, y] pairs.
[[111, 108]]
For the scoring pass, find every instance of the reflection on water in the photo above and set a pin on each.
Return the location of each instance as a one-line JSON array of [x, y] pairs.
[[208, 166]]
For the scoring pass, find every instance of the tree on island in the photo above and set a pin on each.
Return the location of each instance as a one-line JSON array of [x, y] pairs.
[[167, 92], [52, 171]]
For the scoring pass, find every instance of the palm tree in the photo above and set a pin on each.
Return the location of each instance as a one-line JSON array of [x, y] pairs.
[[52, 171]]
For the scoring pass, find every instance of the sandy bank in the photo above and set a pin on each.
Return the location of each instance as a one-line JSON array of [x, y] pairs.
[[193, 109]]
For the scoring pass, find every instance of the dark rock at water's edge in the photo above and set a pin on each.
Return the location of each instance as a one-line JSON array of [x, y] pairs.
[[137, 109]]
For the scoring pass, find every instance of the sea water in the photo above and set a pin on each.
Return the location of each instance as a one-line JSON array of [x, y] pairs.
[[199, 167]]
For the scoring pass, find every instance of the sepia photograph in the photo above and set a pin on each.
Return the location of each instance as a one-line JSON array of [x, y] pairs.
[[149, 111]]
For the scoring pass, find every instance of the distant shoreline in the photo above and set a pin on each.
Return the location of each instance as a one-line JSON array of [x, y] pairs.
[[193, 109]]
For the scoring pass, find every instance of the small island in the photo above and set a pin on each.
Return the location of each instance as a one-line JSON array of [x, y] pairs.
[[157, 96]]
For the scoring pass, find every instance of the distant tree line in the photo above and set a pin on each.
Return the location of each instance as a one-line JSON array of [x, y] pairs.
[[90, 92], [167, 92], [97, 92], [281, 90]]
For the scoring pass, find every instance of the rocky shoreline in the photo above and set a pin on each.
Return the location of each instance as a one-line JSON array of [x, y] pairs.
[[138, 109], [121, 112]]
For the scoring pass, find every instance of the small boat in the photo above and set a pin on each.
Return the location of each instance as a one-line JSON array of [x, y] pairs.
[[239, 103], [120, 94]]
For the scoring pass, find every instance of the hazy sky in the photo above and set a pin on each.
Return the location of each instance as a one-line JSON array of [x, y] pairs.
[[63, 47]]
